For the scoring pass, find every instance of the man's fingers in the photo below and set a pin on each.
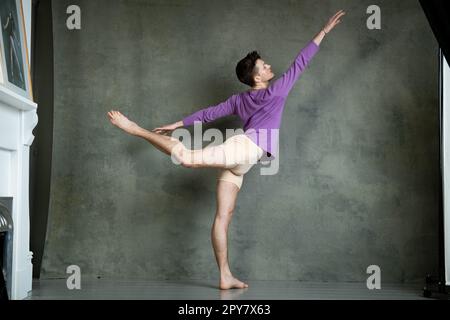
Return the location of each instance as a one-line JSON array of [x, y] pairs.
[[340, 15], [160, 131], [337, 20], [340, 11], [336, 14]]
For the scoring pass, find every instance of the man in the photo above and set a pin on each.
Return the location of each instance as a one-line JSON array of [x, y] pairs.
[[260, 109]]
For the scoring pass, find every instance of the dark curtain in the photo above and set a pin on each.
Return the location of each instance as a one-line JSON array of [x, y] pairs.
[[438, 15], [41, 149]]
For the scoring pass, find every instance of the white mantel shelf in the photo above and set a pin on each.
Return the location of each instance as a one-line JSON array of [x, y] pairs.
[[18, 118], [15, 100]]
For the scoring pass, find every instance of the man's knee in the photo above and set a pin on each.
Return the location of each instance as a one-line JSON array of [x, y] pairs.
[[189, 164], [187, 159], [182, 156], [225, 214]]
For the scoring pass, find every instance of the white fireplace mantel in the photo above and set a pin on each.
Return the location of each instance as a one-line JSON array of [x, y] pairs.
[[18, 118]]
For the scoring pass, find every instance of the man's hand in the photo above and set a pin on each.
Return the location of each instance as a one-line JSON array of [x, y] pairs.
[[334, 21], [168, 128]]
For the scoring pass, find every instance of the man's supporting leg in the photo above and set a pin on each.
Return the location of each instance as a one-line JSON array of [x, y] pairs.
[[226, 199]]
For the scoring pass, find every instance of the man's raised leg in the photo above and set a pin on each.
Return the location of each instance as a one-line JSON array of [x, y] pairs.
[[161, 142], [168, 145]]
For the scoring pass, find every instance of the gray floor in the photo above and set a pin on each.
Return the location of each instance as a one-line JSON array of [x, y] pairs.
[[207, 290]]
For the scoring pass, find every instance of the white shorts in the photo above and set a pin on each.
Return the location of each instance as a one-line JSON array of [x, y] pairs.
[[241, 154], [233, 158]]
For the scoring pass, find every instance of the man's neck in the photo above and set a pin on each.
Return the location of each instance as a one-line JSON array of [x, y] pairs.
[[261, 85]]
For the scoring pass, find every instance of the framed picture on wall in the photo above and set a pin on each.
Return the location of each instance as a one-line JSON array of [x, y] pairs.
[[14, 52]]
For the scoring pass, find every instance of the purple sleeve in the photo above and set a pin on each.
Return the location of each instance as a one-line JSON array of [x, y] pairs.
[[283, 85], [212, 113]]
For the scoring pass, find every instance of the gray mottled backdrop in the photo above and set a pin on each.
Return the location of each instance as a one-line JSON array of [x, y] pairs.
[[359, 143]]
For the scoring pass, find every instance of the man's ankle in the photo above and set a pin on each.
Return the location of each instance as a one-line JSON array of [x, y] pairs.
[[225, 273]]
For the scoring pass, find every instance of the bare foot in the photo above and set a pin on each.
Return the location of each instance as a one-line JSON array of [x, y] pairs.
[[230, 282], [122, 122]]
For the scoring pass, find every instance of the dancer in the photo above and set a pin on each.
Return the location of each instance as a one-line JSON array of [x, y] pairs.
[[260, 108]]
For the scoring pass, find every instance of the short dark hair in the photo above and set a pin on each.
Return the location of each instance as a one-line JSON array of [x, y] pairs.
[[245, 69]]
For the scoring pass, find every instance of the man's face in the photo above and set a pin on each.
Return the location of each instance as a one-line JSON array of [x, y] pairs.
[[264, 71]]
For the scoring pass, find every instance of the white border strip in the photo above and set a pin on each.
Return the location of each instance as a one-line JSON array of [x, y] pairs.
[[446, 149]]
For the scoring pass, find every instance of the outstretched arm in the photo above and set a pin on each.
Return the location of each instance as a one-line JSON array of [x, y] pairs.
[[206, 115], [212, 113], [283, 86]]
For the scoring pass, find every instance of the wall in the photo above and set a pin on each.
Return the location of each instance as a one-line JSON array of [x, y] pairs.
[[358, 180]]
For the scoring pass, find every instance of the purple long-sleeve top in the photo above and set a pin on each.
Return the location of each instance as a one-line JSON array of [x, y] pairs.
[[260, 110]]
